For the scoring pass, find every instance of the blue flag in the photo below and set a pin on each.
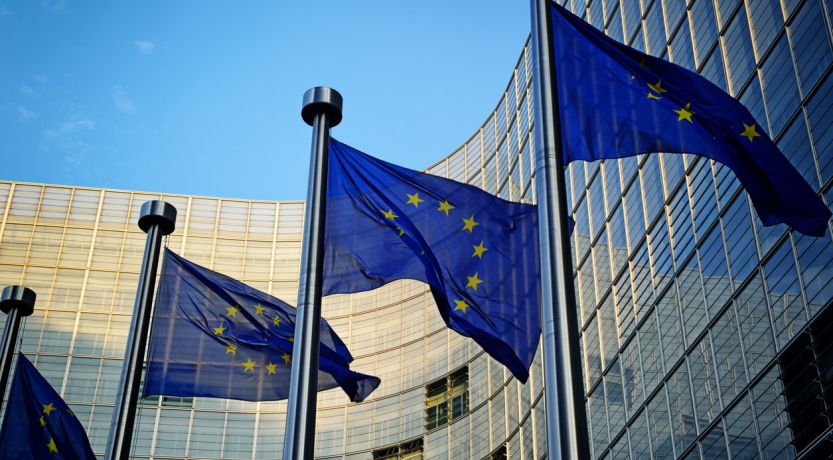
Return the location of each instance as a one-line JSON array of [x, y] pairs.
[[617, 102], [477, 252], [38, 423], [215, 336]]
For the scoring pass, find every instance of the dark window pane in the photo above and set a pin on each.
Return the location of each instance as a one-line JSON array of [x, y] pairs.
[[812, 50]]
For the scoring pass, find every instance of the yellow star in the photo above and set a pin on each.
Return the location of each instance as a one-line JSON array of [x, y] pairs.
[[291, 338], [248, 365], [750, 132], [287, 358], [657, 87], [653, 96], [685, 113], [633, 77], [48, 408], [414, 199], [469, 224], [232, 311], [42, 421], [52, 447], [479, 250], [271, 368], [401, 232], [231, 349], [276, 321], [461, 305], [445, 206], [219, 329], [390, 215], [473, 281], [259, 309]]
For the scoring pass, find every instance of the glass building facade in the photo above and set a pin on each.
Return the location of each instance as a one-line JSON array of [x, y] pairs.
[[703, 333]]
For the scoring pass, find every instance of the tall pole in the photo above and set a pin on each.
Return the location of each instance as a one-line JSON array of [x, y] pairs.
[[157, 219], [321, 110], [16, 302], [566, 418]]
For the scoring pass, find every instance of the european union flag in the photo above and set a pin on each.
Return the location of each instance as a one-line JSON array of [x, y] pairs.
[[477, 252], [617, 102], [38, 423], [215, 336]]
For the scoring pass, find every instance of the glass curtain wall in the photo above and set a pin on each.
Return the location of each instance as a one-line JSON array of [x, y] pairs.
[[689, 307]]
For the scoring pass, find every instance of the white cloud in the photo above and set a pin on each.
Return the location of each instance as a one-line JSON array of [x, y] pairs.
[[41, 78], [122, 101], [24, 114], [70, 126], [144, 46], [55, 6], [27, 90], [70, 138]]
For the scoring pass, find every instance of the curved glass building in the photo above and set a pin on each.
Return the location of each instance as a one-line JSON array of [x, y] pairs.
[[703, 333]]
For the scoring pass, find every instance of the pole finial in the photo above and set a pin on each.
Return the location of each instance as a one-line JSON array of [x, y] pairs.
[[158, 212], [322, 99], [19, 297]]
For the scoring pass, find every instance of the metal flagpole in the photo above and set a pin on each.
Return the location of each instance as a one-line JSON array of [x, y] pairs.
[[157, 219], [16, 302], [566, 418], [321, 110]]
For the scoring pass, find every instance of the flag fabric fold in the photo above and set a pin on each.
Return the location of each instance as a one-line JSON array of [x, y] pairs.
[[215, 336], [617, 102], [477, 252], [38, 423]]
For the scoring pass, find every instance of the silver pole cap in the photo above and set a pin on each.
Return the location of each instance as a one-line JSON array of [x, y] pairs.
[[19, 297], [322, 99], [160, 213]]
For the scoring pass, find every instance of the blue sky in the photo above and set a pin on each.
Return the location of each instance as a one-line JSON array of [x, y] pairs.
[[204, 97]]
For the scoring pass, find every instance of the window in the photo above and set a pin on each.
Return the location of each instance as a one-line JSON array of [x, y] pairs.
[[807, 374], [174, 401], [499, 453], [447, 399], [436, 410], [411, 450]]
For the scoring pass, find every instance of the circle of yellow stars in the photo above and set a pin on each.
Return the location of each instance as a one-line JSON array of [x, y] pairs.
[[47, 410], [249, 365], [686, 113], [469, 224]]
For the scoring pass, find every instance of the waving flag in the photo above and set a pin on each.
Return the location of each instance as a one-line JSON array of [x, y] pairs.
[[38, 423], [215, 336], [617, 102], [477, 252]]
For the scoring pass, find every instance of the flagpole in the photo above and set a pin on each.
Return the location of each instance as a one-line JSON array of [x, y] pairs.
[[566, 417], [157, 219], [322, 111], [16, 302]]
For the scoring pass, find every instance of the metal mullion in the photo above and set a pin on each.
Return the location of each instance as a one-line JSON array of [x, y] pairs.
[[465, 162], [155, 430], [497, 143], [246, 239], [216, 232], [274, 246], [482, 166], [7, 209], [185, 226], [32, 235], [799, 275], [190, 431]]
